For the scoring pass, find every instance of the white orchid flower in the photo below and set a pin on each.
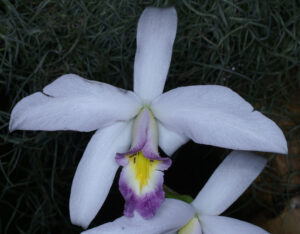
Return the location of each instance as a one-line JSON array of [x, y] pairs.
[[228, 182], [207, 114]]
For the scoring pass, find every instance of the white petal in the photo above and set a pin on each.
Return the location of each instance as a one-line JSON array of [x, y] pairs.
[[172, 215], [170, 141], [233, 176], [226, 225], [215, 115], [96, 171], [74, 103], [155, 37]]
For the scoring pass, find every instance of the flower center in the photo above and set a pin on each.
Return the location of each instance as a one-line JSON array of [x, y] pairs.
[[142, 167], [193, 226]]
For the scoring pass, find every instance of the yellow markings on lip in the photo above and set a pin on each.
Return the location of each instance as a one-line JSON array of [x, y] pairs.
[[142, 167]]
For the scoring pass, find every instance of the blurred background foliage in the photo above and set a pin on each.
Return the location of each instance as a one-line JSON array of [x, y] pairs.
[[250, 46]]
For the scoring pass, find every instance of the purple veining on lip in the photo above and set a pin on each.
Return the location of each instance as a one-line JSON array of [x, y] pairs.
[[165, 162], [122, 160], [145, 140], [147, 204]]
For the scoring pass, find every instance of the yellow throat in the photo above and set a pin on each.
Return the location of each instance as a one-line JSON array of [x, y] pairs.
[[142, 167]]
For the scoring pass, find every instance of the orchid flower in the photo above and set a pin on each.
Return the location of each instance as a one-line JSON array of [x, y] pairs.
[[228, 182], [132, 125]]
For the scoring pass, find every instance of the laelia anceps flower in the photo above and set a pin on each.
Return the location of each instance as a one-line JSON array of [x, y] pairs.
[[134, 124], [228, 182]]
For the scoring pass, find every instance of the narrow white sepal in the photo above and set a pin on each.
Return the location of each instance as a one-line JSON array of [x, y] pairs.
[[155, 37], [96, 171], [226, 225], [232, 177]]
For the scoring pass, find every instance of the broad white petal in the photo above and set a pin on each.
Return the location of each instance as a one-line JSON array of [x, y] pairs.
[[232, 177], [96, 171], [172, 215], [170, 141], [215, 115], [74, 103], [155, 37], [226, 225]]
